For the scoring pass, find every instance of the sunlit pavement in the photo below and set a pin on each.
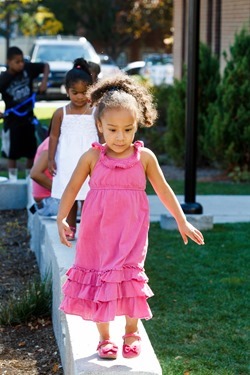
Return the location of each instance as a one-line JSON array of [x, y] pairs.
[[44, 104]]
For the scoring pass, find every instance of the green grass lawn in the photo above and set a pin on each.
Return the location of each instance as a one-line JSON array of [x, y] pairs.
[[208, 188], [201, 304]]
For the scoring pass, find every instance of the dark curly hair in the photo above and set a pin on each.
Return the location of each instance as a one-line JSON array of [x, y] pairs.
[[122, 91], [79, 72]]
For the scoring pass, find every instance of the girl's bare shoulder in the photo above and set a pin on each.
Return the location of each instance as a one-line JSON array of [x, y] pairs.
[[58, 114], [91, 154], [148, 158], [90, 158], [147, 154]]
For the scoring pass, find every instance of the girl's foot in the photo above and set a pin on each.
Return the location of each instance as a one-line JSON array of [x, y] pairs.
[[107, 349], [131, 345]]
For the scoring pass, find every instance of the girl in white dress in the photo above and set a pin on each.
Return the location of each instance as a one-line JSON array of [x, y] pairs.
[[73, 130]]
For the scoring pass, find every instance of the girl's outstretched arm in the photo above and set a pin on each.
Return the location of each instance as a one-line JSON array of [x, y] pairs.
[[53, 139], [168, 198], [81, 172]]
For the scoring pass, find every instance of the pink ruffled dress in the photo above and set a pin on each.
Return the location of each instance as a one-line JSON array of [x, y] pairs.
[[108, 278]]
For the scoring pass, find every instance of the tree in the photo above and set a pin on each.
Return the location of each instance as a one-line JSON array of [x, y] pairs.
[[43, 22], [113, 23], [31, 18], [209, 80]]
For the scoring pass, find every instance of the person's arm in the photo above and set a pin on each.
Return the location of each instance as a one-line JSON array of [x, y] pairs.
[[43, 85], [168, 198], [37, 171], [82, 171], [53, 139]]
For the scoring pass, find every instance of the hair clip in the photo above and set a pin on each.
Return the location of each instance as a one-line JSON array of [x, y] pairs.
[[78, 66]]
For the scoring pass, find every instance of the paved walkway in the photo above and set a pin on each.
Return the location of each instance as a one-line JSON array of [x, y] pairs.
[[223, 208]]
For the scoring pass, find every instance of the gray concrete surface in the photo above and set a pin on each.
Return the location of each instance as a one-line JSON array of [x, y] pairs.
[[77, 339], [223, 208], [13, 195]]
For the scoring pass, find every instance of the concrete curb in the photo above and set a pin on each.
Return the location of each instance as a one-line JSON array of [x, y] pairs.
[[13, 195], [77, 339]]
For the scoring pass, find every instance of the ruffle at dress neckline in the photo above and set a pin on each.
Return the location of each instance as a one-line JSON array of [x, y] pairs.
[[124, 163]]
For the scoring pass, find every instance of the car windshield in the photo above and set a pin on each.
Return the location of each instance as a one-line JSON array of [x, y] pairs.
[[63, 53]]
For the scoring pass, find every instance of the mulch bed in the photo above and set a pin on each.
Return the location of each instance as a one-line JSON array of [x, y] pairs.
[[29, 348]]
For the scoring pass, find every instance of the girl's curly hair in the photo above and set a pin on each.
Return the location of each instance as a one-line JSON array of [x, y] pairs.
[[122, 91]]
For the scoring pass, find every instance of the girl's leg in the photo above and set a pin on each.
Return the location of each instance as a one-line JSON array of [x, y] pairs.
[[79, 208], [131, 327], [103, 329], [131, 340], [71, 219], [106, 348]]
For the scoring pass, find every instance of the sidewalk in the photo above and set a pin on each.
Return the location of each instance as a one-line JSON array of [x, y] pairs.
[[223, 208]]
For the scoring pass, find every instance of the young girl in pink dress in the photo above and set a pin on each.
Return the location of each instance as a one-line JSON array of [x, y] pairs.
[[108, 278]]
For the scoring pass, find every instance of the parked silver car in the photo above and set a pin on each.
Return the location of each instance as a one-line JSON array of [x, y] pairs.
[[159, 69], [108, 66], [60, 52], [134, 68]]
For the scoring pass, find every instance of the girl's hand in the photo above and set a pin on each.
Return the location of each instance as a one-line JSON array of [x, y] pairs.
[[63, 229], [52, 167], [188, 230]]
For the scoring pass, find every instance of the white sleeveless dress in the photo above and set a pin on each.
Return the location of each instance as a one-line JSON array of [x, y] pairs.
[[78, 132]]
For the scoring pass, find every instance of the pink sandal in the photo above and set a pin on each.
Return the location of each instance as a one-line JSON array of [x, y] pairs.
[[133, 350], [71, 237], [108, 351]]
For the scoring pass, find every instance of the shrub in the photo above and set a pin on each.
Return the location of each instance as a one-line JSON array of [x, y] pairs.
[[230, 115], [209, 79], [153, 137], [175, 133]]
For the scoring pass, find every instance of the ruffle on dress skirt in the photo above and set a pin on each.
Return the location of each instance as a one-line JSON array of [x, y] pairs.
[[101, 296]]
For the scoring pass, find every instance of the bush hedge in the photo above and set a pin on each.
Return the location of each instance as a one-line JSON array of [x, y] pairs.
[[229, 130], [209, 79]]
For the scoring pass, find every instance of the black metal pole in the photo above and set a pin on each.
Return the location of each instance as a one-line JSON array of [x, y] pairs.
[[190, 206]]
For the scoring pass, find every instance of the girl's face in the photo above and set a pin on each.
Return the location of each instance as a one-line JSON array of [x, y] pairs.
[[77, 93], [118, 126], [15, 64]]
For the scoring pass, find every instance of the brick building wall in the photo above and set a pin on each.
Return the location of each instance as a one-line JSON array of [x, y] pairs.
[[219, 21], [235, 15]]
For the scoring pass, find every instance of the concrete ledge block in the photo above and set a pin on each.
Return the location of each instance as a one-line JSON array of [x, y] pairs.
[[77, 339], [201, 222], [84, 339], [13, 195]]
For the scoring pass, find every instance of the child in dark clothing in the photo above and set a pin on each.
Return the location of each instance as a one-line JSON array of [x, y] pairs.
[[18, 137]]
